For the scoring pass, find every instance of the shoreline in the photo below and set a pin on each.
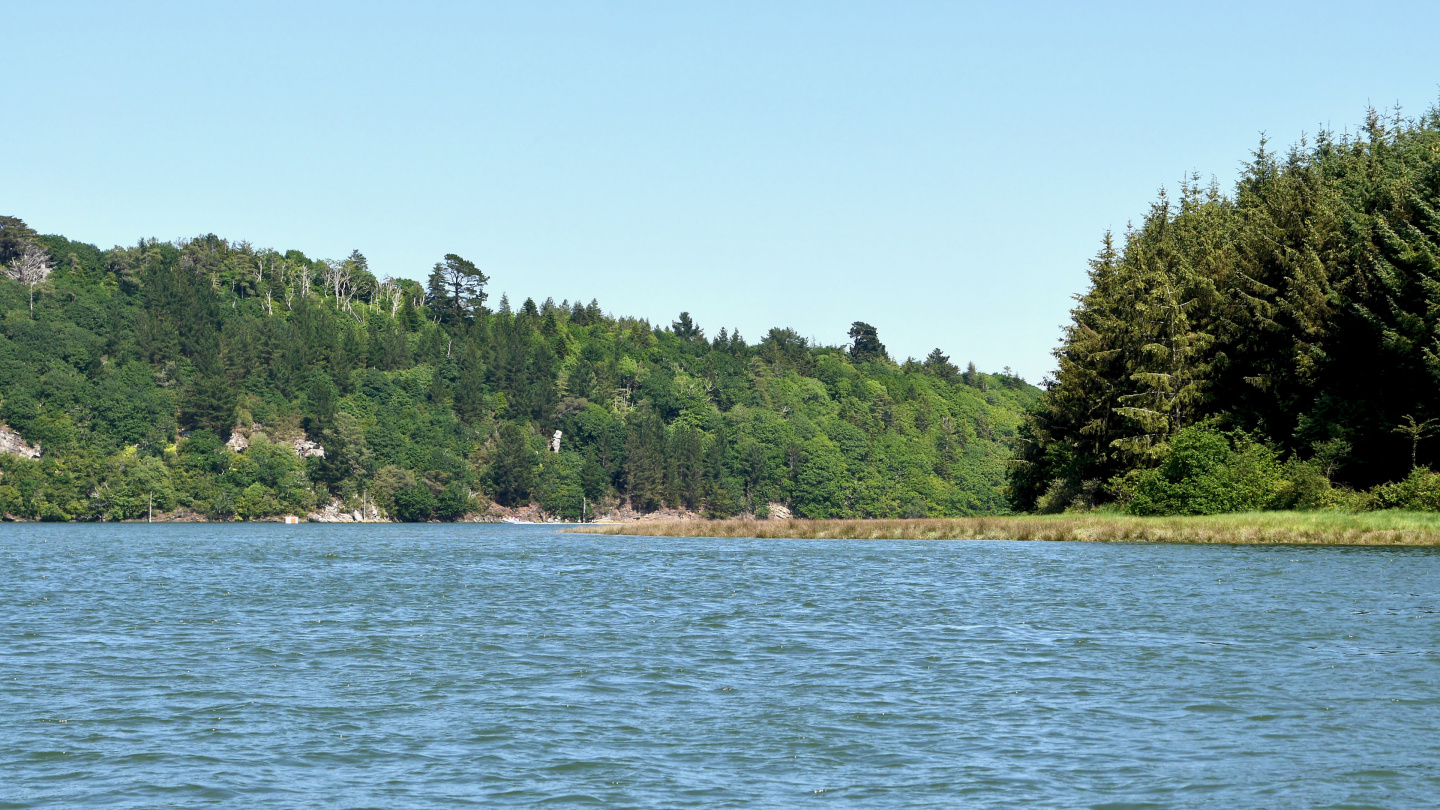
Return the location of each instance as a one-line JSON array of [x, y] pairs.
[[1387, 528], [1391, 528]]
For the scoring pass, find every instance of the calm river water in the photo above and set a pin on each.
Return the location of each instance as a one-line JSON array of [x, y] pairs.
[[435, 666]]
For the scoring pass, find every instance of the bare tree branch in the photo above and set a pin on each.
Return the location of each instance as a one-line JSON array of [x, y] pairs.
[[30, 268]]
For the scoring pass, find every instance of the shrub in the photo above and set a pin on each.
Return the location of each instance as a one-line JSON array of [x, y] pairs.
[[1206, 472], [453, 502], [255, 501], [414, 504], [1419, 491], [1305, 487]]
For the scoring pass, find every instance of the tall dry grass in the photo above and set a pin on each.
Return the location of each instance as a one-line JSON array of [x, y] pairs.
[[1304, 528]]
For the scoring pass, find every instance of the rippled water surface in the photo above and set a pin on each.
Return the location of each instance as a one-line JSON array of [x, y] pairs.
[[434, 666]]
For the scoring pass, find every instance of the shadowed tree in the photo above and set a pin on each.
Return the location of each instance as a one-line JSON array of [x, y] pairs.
[[14, 236], [512, 472], [686, 329], [865, 343], [938, 364], [456, 289]]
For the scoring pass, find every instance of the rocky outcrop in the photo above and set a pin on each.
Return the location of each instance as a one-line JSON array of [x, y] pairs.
[[779, 511], [305, 448], [335, 512], [12, 443]]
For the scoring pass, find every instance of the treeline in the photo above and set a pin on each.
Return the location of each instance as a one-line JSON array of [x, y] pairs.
[[203, 376], [1278, 347]]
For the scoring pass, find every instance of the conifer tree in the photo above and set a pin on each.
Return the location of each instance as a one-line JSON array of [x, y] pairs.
[[686, 467], [865, 343], [512, 470], [15, 235], [938, 364], [645, 465], [457, 289]]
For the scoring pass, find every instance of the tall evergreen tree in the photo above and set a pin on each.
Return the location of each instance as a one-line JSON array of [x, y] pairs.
[[686, 468], [645, 462], [513, 468], [865, 343], [456, 289], [14, 236]]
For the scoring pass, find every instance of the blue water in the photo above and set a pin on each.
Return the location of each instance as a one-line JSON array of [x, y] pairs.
[[439, 666]]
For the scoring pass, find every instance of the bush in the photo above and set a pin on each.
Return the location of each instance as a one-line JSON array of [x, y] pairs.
[[1419, 491], [453, 503], [1305, 487], [414, 504], [388, 481], [255, 501], [560, 488], [1206, 472]]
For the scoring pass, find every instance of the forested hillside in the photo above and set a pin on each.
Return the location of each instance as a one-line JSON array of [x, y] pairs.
[[208, 377], [1275, 347]]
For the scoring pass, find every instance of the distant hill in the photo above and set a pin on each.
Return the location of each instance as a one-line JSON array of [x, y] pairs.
[[213, 378]]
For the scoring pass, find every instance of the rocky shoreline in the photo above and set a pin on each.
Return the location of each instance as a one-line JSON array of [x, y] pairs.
[[337, 513]]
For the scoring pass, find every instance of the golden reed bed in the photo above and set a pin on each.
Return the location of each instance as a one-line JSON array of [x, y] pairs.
[[1273, 528]]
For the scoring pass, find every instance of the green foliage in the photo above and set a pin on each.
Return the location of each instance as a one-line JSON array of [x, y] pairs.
[[561, 486], [820, 480], [1418, 491], [1301, 309], [1205, 472], [865, 343], [139, 363], [512, 470], [414, 504], [457, 289], [453, 502], [388, 482], [14, 235]]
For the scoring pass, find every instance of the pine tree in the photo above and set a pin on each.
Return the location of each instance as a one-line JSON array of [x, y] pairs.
[[937, 364], [15, 235], [865, 344], [1162, 351], [686, 468], [686, 329], [208, 403], [645, 465], [513, 465], [456, 289]]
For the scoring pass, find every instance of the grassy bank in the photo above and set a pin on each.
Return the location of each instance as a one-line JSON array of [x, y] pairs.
[[1304, 528]]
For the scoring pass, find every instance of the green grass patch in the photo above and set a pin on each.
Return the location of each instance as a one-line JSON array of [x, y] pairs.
[[1384, 528]]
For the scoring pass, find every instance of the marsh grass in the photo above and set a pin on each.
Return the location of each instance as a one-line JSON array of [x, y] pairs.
[[1386, 528]]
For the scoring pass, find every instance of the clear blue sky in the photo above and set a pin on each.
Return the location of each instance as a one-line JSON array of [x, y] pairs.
[[941, 170]]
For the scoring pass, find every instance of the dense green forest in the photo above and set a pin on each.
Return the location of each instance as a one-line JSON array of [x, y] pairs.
[[207, 376], [1278, 347]]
